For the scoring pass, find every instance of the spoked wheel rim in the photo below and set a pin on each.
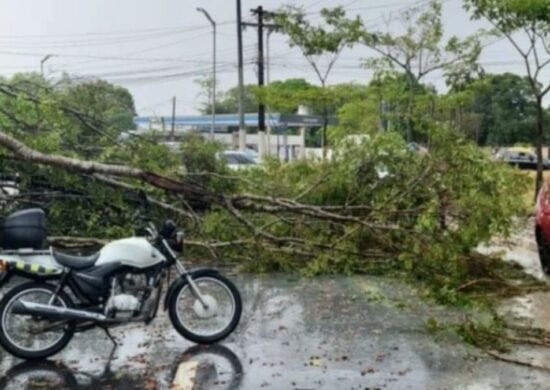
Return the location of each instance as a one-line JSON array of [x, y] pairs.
[[212, 319], [23, 330]]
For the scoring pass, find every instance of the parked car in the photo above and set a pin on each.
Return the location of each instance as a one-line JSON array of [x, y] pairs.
[[237, 160], [252, 154], [542, 227], [417, 148], [522, 158]]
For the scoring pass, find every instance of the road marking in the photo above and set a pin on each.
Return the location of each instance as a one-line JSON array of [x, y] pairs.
[[185, 376]]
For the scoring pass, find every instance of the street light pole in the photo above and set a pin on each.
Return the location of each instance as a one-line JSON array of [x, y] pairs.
[[42, 61], [213, 97]]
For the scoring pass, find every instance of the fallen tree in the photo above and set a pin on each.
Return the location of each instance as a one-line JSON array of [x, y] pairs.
[[376, 206], [337, 216]]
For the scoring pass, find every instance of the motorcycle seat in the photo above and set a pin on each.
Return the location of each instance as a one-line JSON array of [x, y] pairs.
[[75, 262]]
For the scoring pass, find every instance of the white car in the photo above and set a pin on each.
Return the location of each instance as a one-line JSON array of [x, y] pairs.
[[253, 155], [237, 160]]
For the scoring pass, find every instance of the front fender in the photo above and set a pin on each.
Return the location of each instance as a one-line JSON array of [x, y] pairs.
[[5, 278], [177, 283]]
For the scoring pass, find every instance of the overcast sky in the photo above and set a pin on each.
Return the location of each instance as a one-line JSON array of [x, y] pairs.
[[158, 48]]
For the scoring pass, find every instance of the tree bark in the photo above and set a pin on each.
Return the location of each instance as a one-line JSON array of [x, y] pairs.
[[410, 101], [325, 121], [324, 135], [189, 190]]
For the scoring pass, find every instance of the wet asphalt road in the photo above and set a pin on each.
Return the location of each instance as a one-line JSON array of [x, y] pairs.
[[296, 333]]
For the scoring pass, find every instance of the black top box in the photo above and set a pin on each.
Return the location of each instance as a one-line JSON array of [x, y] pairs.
[[23, 229]]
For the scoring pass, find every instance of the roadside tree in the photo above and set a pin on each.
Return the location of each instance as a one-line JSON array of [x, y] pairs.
[[420, 50], [526, 25], [320, 45]]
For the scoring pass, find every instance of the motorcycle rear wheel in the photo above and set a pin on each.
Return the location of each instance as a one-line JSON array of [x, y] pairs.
[[16, 331]]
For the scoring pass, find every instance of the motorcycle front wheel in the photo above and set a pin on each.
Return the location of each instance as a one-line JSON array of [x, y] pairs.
[[209, 321], [22, 334]]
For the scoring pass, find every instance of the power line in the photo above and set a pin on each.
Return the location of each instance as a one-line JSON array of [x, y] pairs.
[[120, 32], [132, 72], [124, 66], [175, 76], [370, 7], [193, 72], [182, 60], [350, 3], [114, 58], [89, 43], [313, 4]]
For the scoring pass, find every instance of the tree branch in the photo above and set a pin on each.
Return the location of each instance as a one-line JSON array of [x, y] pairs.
[[119, 184], [89, 167], [498, 356]]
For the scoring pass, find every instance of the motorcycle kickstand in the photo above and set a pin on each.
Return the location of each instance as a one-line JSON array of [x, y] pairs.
[[110, 336], [107, 369]]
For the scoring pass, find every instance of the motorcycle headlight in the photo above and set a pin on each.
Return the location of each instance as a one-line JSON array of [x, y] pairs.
[[176, 241]]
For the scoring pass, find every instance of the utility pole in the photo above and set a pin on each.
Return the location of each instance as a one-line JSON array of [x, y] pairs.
[[260, 13], [173, 130], [213, 97], [261, 107], [242, 128]]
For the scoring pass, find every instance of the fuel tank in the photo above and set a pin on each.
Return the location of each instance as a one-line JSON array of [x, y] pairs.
[[134, 252]]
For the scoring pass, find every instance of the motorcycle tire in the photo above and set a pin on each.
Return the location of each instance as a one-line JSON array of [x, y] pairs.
[[179, 321], [24, 353]]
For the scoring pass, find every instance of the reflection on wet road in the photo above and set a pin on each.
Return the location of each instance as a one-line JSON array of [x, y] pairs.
[[296, 333], [215, 367]]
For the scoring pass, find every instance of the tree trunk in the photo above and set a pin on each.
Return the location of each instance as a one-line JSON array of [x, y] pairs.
[[409, 118], [192, 191], [324, 135], [325, 122], [410, 101], [540, 141]]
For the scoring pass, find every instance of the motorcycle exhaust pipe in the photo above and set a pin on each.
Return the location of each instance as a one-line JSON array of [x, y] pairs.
[[31, 308]]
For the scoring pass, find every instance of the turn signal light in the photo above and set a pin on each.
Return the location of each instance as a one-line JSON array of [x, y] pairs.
[[3, 266]]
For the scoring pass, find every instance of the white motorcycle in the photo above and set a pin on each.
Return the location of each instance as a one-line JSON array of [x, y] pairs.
[[120, 284]]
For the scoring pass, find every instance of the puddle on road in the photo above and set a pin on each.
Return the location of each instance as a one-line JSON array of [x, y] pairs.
[[520, 248], [216, 368], [322, 333], [532, 310], [525, 257]]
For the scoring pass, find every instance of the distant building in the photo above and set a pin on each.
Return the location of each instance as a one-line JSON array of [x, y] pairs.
[[276, 141]]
